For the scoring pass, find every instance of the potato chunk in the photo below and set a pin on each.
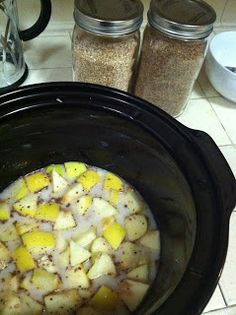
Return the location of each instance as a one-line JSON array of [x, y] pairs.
[[59, 184], [85, 238], [78, 254], [27, 206], [132, 293], [140, 273], [11, 304], [63, 303], [130, 255], [16, 190], [76, 277], [8, 232], [103, 265], [30, 306], [133, 202], [83, 204], [104, 300], [65, 220], [100, 245], [136, 226], [44, 280], [151, 240], [4, 256], [103, 208], [74, 192]]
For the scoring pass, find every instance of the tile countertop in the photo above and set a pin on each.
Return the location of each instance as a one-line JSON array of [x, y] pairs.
[[49, 59]]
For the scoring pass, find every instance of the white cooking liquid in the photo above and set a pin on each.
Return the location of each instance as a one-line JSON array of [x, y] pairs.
[[89, 220]]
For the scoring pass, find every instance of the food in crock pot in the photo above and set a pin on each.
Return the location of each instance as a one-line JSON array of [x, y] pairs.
[[75, 239]]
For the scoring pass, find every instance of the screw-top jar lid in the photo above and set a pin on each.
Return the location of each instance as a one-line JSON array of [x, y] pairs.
[[109, 17], [184, 19]]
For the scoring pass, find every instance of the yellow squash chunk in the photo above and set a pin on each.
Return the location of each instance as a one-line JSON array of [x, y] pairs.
[[133, 202], [4, 211], [76, 277], [104, 300], [29, 306], [112, 181], [23, 228], [83, 204], [4, 256], [8, 232], [10, 304], [88, 179], [78, 254], [85, 238], [139, 274], [45, 281], [47, 211], [114, 234], [74, 192], [102, 266], [100, 245], [56, 167], [113, 197], [130, 255], [74, 169], [23, 259], [65, 220], [136, 226], [103, 208], [151, 240], [132, 293], [27, 206], [59, 184], [37, 181], [16, 190], [39, 242], [62, 303]]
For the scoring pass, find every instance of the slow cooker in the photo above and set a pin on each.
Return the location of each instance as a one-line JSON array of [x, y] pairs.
[[180, 173]]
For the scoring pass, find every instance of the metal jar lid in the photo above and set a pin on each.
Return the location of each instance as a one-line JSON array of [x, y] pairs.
[[109, 17], [184, 19]]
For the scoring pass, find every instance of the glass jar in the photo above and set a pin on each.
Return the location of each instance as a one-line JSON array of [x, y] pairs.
[[173, 51], [106, 42]]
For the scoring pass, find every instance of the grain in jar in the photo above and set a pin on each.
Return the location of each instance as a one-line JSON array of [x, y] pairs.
[[173, 52], [106, 42]]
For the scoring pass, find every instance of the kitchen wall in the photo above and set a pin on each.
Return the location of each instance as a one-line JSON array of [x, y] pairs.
[[62, 13]]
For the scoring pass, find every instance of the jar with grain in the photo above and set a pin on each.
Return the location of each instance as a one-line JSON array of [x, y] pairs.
[[106, 41], [173, 52]]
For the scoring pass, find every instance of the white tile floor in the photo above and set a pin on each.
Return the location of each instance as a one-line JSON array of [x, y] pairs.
[[49, 59]]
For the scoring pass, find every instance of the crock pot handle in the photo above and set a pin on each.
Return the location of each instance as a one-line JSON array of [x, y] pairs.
[[219, 169]]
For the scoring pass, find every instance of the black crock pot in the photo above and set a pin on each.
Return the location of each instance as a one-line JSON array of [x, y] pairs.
[[180, 172]]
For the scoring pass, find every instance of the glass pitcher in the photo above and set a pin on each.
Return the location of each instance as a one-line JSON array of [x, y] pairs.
[[13, 69]]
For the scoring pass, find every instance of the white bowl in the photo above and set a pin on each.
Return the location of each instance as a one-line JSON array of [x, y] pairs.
[[222, 54]]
